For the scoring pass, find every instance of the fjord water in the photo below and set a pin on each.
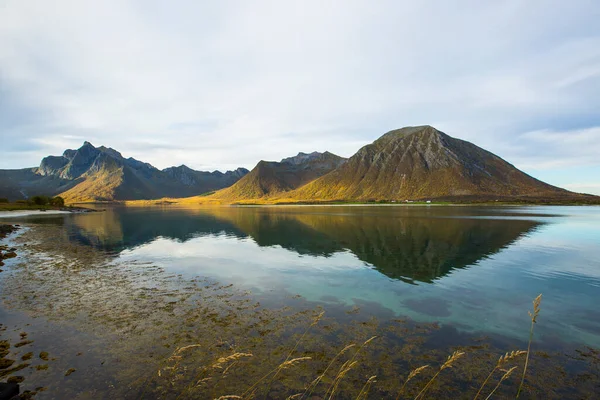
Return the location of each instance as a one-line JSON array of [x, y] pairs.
[[115, 295], [473, 268]]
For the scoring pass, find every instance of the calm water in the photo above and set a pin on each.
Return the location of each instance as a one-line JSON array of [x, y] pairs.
[[472, 270], [477, 268]]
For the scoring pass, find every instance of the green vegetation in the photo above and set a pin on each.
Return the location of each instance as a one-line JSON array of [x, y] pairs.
[[33, 203], [48, 201]]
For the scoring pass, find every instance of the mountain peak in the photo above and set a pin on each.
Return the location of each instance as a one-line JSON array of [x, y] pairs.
[[110, 151], [421, 162], [302, 158], [408, 131]]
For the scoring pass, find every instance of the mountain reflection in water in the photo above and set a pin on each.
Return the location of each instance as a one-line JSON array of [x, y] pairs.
[[413, 244]]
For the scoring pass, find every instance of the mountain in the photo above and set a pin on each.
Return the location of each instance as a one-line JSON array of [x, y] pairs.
[[208, 180], [100, 173], [271, 177], [412, 163], [418, 163]]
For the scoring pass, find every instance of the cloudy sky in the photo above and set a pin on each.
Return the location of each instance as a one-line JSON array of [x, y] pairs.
[[222, 84]]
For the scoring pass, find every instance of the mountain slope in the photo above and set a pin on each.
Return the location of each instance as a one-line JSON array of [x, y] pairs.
[[270, 177], [423, 163], [92, 174], [17, 184]]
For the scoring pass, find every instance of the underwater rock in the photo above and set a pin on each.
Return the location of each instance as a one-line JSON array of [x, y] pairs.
[[8, 390]]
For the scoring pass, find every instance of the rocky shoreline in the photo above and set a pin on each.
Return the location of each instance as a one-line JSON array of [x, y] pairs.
[[5, 251], [10, 389]]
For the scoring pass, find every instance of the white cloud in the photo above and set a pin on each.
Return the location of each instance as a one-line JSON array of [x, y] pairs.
[[219, 85], [582, 187], [547, 149]]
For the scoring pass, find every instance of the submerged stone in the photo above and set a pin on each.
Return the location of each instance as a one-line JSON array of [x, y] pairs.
[[8, 390]]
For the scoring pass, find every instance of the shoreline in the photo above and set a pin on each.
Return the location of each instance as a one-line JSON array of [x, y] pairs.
[[25, 213], [29, 212]]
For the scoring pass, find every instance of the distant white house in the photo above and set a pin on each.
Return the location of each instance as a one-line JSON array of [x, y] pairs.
[[428, 201]]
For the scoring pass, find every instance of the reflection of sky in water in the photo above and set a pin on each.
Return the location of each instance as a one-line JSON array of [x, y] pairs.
[[559, 259]]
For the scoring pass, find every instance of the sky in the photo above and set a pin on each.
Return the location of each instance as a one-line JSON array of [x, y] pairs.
[[224, 84]]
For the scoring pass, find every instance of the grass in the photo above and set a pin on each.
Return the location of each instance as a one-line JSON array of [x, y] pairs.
[[506, 364], [25, 206], [536, 310]]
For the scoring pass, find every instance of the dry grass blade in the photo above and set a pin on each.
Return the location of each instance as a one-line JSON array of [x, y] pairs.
[[232, 357], [412, 374], [294, 396], [501, 361], [198, 380], [448, 364], [184, 348], [309, 390], [536, 310], [346, 367], [280, 367], [507, 374], [293, 362], [229, 396], [365, 390], [369, 341], [511, 356], [451, 360], [317, 319]]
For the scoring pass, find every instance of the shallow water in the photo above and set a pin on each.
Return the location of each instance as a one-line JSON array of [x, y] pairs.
[[471, 272], [474, 267]]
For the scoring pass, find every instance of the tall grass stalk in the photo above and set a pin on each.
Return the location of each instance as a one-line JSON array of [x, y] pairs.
[[506, 375], [288, 362], [365, 390], [536, 310], [501, 361], [412, 374], [315, 322], [176, 356], [448, 364], [283, 365], [233, 359], [312, 386], [345, 368]]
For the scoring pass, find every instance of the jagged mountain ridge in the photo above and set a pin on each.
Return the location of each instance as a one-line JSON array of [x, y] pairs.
[[271, 177], [412, 163], [423, 163], [93, 174]]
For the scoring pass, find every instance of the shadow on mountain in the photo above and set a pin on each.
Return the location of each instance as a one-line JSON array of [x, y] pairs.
[[406, 243]]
